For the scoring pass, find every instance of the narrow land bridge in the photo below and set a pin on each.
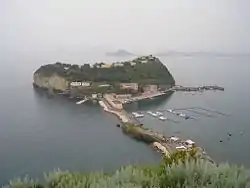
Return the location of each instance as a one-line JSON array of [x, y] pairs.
[[132, 127]]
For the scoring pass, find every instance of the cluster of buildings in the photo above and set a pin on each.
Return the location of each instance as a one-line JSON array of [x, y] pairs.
[[143, 59], [126, 86]]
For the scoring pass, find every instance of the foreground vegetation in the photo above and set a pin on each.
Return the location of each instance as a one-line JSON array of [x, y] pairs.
[[180, 170]]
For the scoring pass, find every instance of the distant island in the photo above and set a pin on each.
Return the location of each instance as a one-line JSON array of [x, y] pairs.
[[120, 53], [132, 76]]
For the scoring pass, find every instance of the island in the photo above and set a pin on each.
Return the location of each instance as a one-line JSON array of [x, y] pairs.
[[140, 75], [120, 53]]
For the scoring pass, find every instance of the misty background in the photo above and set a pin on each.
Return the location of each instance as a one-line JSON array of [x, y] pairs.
[[69, 28]]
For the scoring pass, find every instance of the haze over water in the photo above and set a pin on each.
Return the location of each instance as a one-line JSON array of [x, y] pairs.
[[38, 134]]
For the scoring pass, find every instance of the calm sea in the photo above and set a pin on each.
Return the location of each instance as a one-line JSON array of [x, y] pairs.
[[39, 134]]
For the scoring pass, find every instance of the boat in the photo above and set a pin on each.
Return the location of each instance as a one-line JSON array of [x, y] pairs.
[[162, 118], [182, 115], [137, 114], [158, 113], [82, 101], [169, 110], [152, 113]]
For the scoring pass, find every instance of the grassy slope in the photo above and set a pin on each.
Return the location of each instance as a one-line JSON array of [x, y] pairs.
[[173, 172]]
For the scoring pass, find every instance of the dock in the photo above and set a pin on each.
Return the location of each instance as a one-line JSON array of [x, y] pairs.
[[132, 127], [199, 88], [145, 96]]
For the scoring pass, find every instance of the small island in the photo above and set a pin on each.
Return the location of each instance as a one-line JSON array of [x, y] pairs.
[[142, 74], [120, 53]]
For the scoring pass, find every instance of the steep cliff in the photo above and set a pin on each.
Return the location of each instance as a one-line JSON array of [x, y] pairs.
[[54, 82]]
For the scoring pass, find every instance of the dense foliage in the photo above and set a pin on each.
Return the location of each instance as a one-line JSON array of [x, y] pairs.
[[152, 72], [180, 170]]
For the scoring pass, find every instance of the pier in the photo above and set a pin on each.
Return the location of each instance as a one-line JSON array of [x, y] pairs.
[[200, 88], [132, 127]]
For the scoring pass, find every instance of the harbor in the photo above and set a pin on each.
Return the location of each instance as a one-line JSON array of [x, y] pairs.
[[132, 126], [158, 141]]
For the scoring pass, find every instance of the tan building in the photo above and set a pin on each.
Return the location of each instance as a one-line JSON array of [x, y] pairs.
[[132, 86], [113, 101], [150, 88], [107, 65], [123, 96]]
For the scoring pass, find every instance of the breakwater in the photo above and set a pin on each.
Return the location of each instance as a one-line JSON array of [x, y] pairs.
[[166, 145], [200, 88]]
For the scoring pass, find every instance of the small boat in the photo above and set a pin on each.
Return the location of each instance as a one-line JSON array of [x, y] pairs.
[[158, 113], [162, 118], [137, 115], [82, 101], [152, 114], [182, 115]]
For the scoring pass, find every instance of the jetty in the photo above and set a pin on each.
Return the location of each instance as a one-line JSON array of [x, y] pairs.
[[144, 96], [132, 127], [199, 88]]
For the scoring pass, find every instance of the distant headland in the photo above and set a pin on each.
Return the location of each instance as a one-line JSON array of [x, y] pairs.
[[120, 53]]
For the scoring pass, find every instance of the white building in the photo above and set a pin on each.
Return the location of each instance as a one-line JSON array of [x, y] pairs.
[[85, 84], [78, 84], [104, 85], [174, 138], [181, 147], [190, 142]]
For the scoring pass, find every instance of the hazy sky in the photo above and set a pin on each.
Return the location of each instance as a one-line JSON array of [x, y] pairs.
[[135, 25]]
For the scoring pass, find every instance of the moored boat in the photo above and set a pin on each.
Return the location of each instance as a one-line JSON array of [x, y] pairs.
[[163, 118]]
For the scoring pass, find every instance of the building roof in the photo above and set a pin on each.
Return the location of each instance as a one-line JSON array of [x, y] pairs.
[[174, 138], [190, 142], [180, 147]]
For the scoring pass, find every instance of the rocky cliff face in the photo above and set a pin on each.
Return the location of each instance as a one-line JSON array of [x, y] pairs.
[[51, 82]]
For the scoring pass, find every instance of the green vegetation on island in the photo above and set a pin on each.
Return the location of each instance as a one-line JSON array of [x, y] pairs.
[[180, 170], [146, 70]]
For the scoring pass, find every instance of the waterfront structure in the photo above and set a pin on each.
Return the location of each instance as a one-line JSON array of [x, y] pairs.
[[132, 86], [123, 96]]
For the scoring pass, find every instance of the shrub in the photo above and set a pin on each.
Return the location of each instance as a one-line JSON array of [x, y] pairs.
[[179, 170]]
